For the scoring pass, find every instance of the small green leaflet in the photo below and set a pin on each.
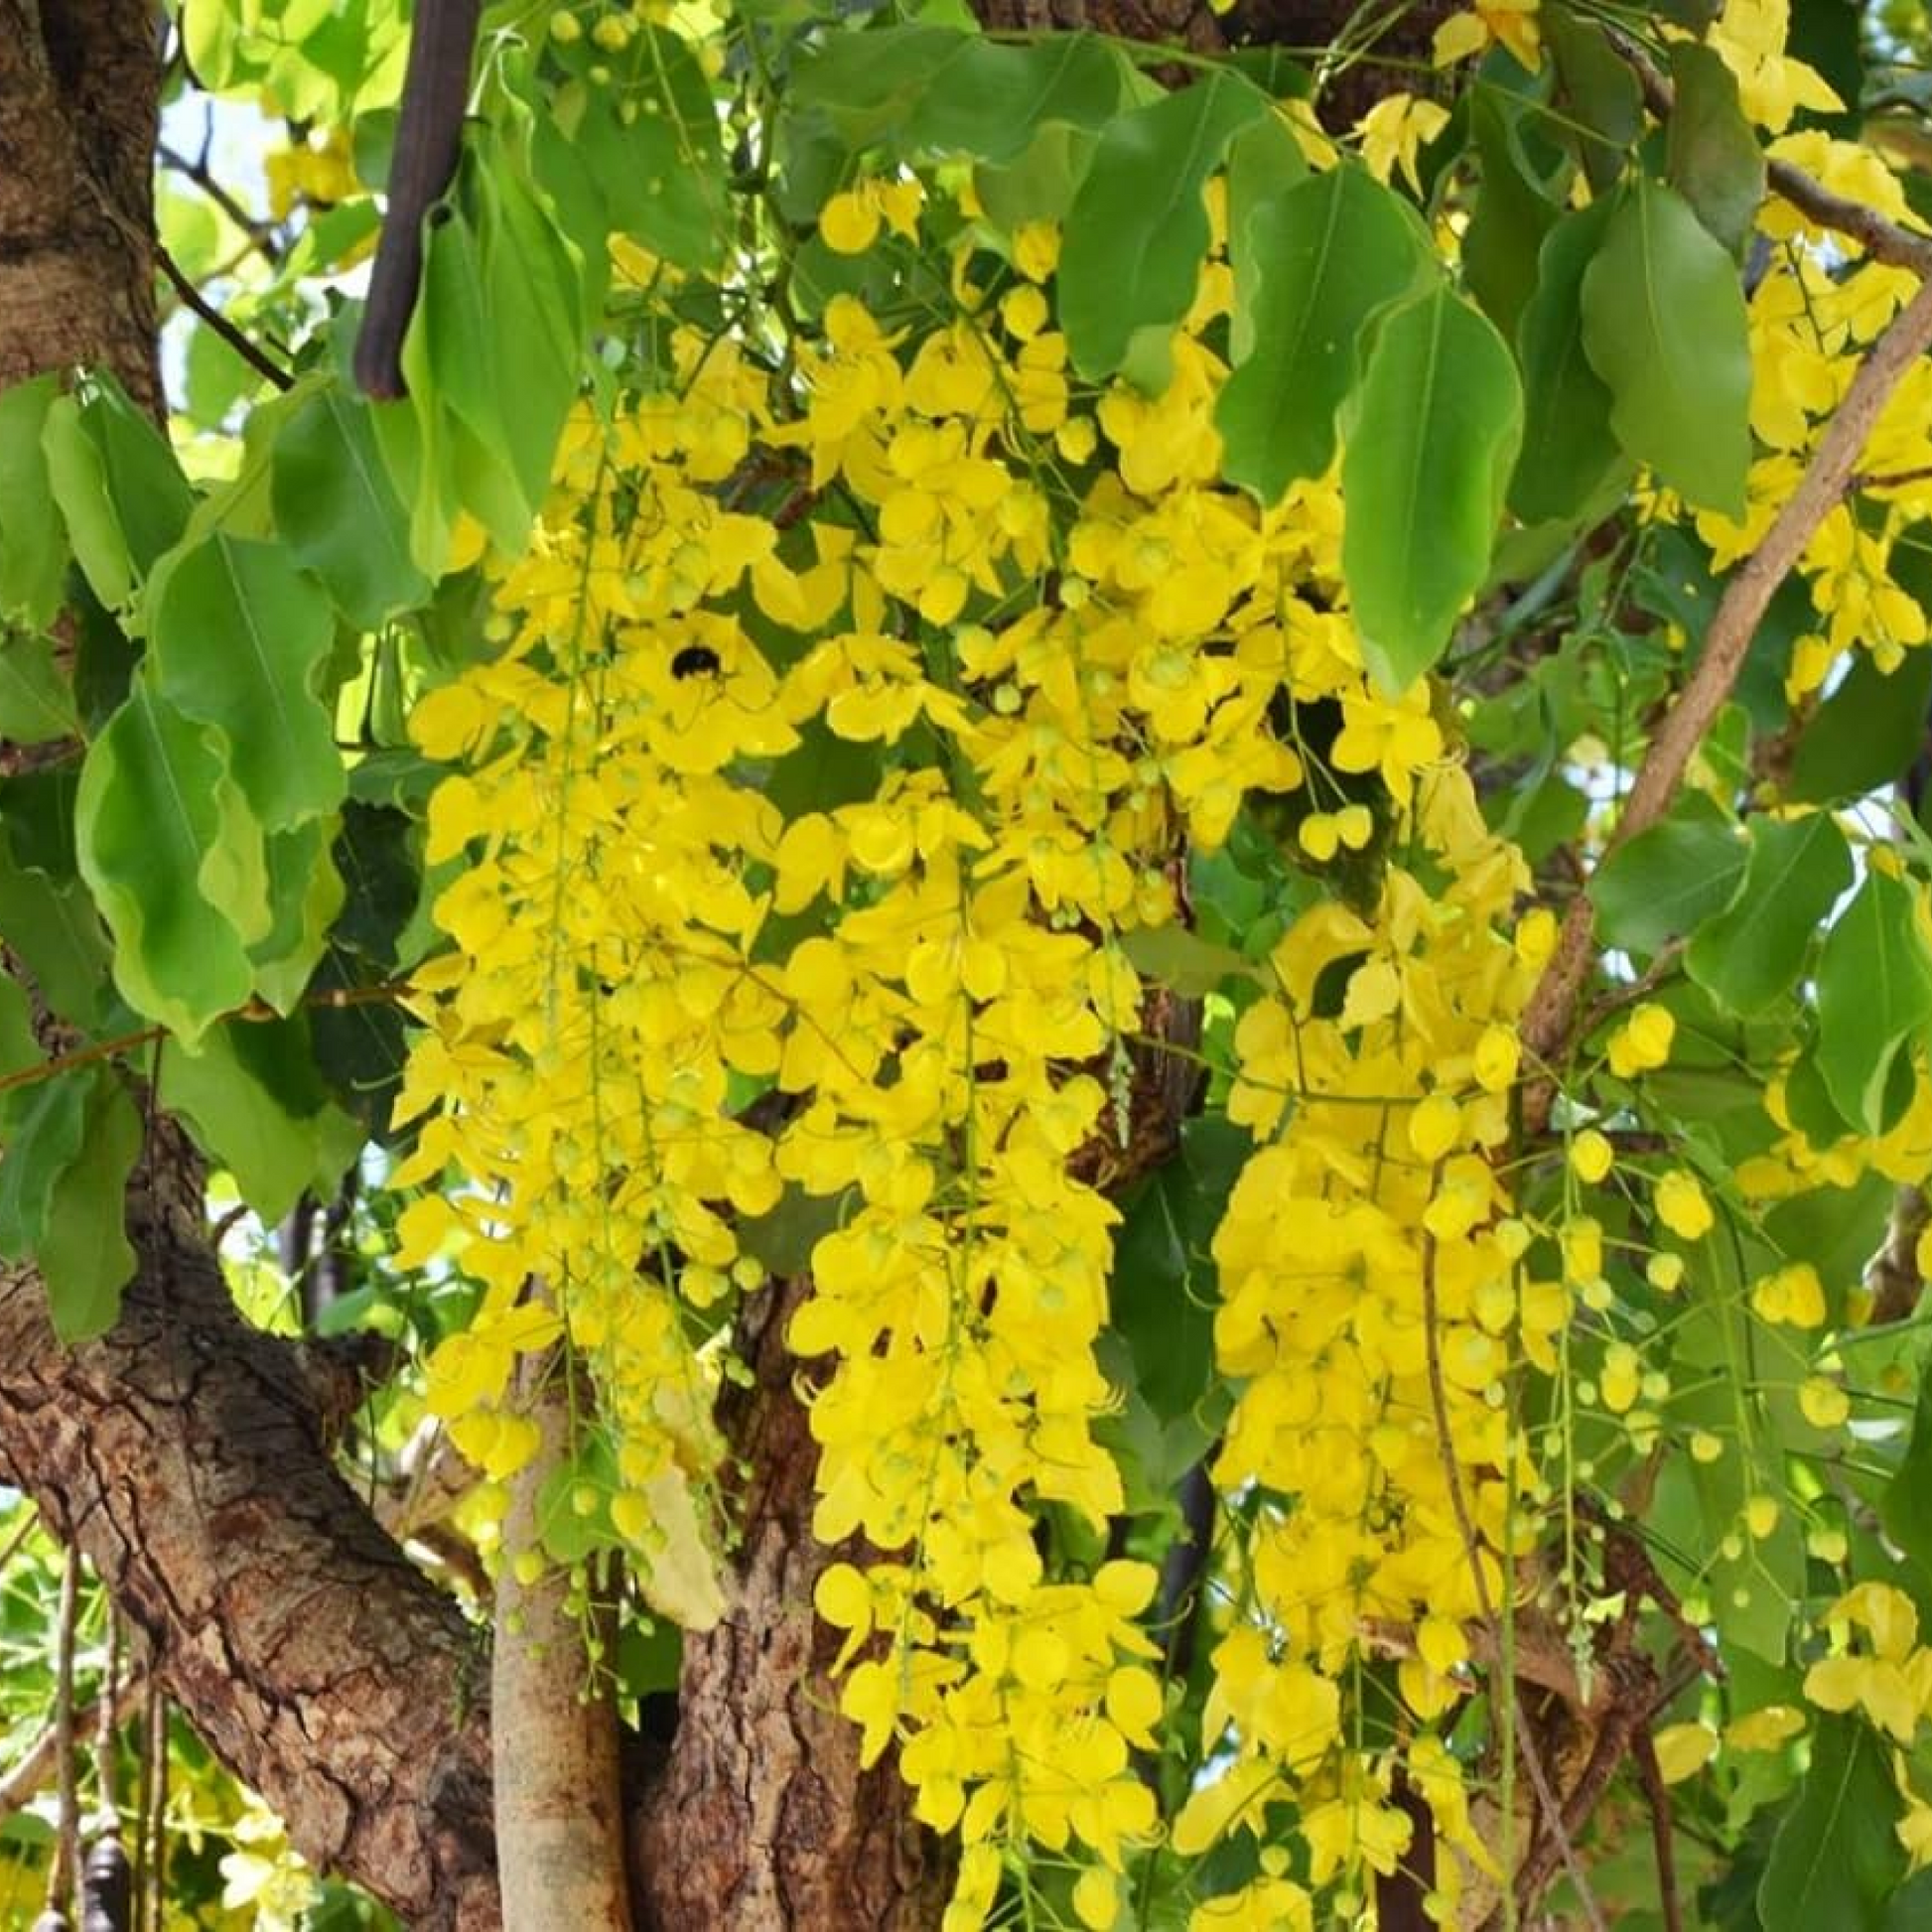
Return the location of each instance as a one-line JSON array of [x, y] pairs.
[[84, 1256], [1137, 228], [1569, 452], [157, 824], [240, 638], [1837, 1857], [1322, 259], [1752, 951], [1712, 157], [1428, 453], [338, 512], [1875, 996], [1667, 880], [33, 544], [1664, 326]]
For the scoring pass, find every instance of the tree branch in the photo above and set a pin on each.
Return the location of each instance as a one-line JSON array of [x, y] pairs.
[[1883, 239], [1548, 1018]]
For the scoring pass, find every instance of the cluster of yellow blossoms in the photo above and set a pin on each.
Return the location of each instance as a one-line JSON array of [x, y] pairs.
[[854, 712]]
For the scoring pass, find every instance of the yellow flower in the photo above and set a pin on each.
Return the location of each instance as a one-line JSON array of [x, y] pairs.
[[1681, 1205]]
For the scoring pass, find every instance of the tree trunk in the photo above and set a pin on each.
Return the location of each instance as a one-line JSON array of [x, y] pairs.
[[182, 1455], [763, 1821]]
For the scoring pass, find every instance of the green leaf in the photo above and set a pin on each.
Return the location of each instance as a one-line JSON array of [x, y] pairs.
[[1664, 326], [646, 132], [157, 826], [54, 928], [251, 1093], [1322, 258], [45, 1125], [20, 1047], [1163, 1290], [1837, 1857], [239, 641], [84, 1256], [33, 543], [339, 511], [1510, 218], [1569, 452], [1264, 161], [935, 88], [36, 703], [990, 98], [1667, 880], [79, 480], [1866, 733], [1712, 156], [1136, 234], [1185, 963], [1752, 953], [493, 350], [1597, 94], [1905, 1503], [305, 894], [1875, 994], [782, 1237], [1429, 451]]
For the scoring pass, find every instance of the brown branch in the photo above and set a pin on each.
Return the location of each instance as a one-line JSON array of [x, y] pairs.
[[1548, 1018], [1883, 240], [193, 297], [260, 233]]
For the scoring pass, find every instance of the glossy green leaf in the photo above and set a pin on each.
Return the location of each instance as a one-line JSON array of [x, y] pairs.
[[79, 480], [1598, 98], [1875, 994], [1664, 327], [20, 1046], [1136, 234], [491, 359], [258, 1112], [118, 485], [991, 97], [1905, 1503], [240, 640], [1569, 452], [1752, 951], [1264, 161], [57, 933], [35, 704], [1866, 733], [305, 892], [1837, 1857], [162, 839], [33, 543], [645, 128], [1510, 217], [1712, 156], [1429, 451], [43, 1127], [86, 1258], [339, 511], [1325, 257], [1667, 880], [928, 88], [1163, 1290]]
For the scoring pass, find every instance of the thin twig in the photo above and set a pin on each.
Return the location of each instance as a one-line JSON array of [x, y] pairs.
[[261, 234], [1545, 1796], [64, 1868], [1548, 1018], [22, 1531], [194, 299]]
